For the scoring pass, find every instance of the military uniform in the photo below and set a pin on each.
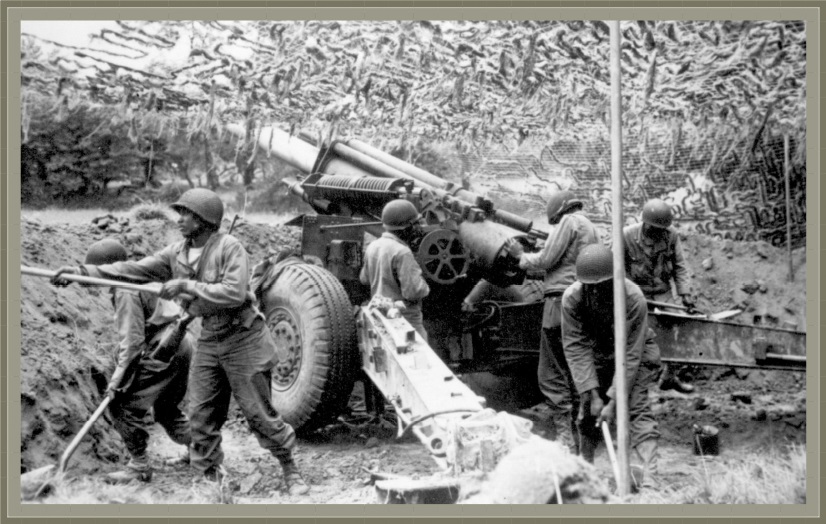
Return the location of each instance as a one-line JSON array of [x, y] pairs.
[[235, 353], [588, 339], [391, 271], [652, 265], [558, 260], [157, 387]]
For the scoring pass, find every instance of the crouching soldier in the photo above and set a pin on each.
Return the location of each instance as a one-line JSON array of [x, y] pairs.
[[140, 384], [588, 341], [235, 352]]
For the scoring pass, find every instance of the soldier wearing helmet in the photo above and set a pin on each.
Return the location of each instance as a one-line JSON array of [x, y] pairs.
[[236, 351], [588, 339], [149, 385], [389, 266], [557, 259], [653, 260]]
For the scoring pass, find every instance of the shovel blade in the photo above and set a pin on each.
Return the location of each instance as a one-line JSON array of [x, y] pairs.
[[32, 481], [725, 314]]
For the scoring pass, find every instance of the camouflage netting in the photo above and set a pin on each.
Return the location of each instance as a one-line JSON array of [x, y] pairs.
[[706, 104]]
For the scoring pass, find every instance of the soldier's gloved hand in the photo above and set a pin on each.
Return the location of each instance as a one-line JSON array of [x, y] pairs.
[[608, 412], [467, 307], [58, 280], [514, 248], [176, 286], [596, 404]]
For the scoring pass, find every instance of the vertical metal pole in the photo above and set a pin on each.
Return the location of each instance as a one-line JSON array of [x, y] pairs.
[[620, 330], [787, 169]]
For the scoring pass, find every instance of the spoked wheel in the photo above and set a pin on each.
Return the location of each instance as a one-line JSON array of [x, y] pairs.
[[442, 256]]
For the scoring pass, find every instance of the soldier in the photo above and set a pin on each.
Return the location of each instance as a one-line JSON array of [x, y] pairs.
[[653, 259], [557, 258], [152, 385], [235, 352], [588, 339], [389, 266]]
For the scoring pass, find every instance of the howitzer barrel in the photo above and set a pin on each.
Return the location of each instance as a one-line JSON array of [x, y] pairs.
[[412, 171], [357, 159], [425, 177], [290, 149], [368, 163]]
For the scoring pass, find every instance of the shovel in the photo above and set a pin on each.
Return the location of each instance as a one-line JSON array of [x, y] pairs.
[[40, 481], [722, 315], [609, 445]]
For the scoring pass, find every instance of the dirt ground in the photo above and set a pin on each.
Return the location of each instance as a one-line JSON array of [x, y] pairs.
[[68, 347]]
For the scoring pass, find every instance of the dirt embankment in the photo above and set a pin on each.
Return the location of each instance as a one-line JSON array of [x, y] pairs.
[[68, 343]]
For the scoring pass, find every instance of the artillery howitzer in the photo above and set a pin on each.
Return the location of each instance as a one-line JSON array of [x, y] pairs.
[[310, 301]]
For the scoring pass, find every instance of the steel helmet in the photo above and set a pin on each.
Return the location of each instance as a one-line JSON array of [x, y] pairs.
[[594, 264], [106, 251], [204, 203], [560, 202], [399, 214], [657, 213]]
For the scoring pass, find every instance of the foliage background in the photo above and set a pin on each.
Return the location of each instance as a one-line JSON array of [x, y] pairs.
[[512, 108]]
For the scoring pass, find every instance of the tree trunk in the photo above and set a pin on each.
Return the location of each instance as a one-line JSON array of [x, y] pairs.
[[211, 175]]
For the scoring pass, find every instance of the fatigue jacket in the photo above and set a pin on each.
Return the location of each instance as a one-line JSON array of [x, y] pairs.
[[140, 317], [652, 265], [392, 271], [588, 335], [222, 293], [558, 256]]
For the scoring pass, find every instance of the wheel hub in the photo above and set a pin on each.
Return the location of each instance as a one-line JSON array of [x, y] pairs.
[[286, 333], [442, 256]]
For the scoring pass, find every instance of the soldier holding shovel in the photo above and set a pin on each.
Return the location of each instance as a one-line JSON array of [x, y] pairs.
[[588, 340], [140, 383], [236, 352]]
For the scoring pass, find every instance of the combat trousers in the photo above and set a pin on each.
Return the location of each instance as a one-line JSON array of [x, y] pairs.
[[158, 387], [642, 425], [239, 365], [555, 380]]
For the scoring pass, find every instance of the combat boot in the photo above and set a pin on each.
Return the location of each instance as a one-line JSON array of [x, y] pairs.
[[213, 486], [137, 469], [587, 448], [293, 480], [648, 452], [563, 428]]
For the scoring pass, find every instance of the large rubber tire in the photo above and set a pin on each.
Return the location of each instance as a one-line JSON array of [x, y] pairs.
[[312, 322]]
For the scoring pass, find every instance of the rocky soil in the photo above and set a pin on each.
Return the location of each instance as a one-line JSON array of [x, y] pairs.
[[67, 351]]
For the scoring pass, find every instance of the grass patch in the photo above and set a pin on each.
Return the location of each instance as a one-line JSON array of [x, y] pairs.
[[756, 478], [89, 490]]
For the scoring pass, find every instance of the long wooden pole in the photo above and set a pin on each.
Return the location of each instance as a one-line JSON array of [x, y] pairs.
[[787, 169], [154, 287], [618, 222]]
